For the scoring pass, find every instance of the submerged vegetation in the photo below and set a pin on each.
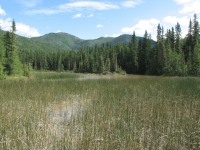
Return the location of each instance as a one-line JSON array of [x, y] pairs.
[[125, 112]]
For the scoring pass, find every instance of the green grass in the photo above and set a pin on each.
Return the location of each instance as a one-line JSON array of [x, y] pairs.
[[55, 75], [126, 112]]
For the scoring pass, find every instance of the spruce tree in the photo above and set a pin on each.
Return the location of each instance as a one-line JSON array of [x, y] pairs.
[[160, 48], [194, 70], [2, 56], [195, 31], [59, 60], [143, 53], [187, 46], [101, 64], [195, 67], [178, 38], [13, 65], [134, 54], [172, 39]]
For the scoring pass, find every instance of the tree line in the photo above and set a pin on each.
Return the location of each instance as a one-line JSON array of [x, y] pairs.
[[172, 55]]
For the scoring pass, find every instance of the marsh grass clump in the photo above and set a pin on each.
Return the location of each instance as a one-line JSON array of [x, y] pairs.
[[55, 76], [126, 112]]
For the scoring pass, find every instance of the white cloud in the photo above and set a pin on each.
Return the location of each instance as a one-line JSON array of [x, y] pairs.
[[114, 35], [131, 3], [5, 24], [91, 15], [2, 12], [26, 30], [77, 15], [149, 25], [184, 21], [99, 26], [189, 6], [42, 11], [183, 1], [88, 5], [30, 3], [171, 21], [58, 31], [22, 29]]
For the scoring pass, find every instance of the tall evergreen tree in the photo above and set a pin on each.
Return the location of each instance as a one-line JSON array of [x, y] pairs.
[[13, 65], [187, 46], [2, 56], [160, 48], [59, 60], [143, 54], [195, 67], [101, 64], [195, 31], [172, 39], [178, 38], [134, 54], [194, 70]]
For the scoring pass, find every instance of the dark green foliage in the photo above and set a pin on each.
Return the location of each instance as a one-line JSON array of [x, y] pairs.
[[178, 38], [2, 57], [60, 40], [12, 63], [70, 42], [142, 59], [195, 67], [26, 71], [160, 49], [172, 55], [132, 56]]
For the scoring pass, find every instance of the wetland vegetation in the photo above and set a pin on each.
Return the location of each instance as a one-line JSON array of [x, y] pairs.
[[59, 111], [62, 110]]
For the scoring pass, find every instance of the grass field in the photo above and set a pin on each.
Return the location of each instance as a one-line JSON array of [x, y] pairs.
[[59, 111]]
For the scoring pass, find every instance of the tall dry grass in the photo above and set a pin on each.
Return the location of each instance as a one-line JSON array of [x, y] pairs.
[[57, 111]]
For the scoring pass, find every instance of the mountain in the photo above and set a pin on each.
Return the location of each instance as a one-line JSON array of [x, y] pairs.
[[29, 44], [60, 40], [24, 43], [71, 42], [63, 41]]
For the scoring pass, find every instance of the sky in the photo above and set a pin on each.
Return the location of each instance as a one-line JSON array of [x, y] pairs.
[[91, 19]]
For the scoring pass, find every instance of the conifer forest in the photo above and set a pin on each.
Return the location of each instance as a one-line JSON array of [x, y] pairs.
[[173, 55]]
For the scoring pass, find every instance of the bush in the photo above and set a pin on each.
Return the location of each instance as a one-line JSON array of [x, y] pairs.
[[26, 71]]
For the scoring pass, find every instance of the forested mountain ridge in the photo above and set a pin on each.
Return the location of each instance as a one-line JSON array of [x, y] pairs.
[[60, 40], [28, 44], [71, 42], [172, 55], [53, 42], [24, 43]]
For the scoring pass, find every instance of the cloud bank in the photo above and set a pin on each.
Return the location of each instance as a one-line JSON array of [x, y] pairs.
[[22, 29]]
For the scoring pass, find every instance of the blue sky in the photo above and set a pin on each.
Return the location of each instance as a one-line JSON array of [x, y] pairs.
[[91, 19]]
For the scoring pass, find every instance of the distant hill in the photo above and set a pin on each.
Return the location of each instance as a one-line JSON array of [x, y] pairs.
[[63, 41], [24, 43], [29, 44], [60, 40], [71, 42]]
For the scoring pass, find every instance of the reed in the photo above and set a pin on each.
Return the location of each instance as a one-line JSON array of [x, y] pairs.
[[57, 111]]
